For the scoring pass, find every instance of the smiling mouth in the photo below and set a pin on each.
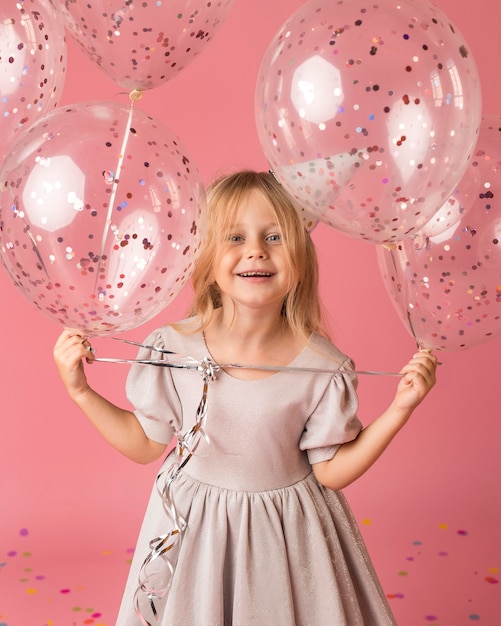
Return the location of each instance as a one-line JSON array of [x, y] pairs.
[[256, 274]]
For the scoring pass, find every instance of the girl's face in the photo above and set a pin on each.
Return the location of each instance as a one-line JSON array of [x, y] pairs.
[[252, 271]]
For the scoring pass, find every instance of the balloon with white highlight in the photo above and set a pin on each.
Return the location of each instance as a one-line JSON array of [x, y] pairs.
[[102, 213], [368, 113]]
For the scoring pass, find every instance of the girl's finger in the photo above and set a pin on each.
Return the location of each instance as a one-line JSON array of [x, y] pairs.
[[427, 359], [417, 367], [68, 333]]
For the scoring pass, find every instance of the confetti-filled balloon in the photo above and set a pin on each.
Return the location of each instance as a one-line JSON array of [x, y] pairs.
[[32, 65], [141, 45], [453, 210], [101, 216], [368, 113], [447, 288]]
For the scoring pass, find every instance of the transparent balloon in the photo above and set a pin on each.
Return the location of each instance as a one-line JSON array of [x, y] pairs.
[[102, 212], [141, 45], [368, 113], [452, 211], [32, 65], [447, 288]]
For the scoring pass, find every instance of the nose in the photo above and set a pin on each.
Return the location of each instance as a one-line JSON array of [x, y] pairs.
[[256, 249]]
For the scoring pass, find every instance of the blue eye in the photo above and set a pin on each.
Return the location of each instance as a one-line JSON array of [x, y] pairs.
[[274, 237]]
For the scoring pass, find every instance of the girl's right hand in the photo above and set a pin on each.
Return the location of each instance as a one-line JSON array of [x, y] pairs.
[[69, 351]]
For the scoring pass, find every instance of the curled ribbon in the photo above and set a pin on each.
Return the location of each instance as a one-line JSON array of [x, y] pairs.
[[154, 583]]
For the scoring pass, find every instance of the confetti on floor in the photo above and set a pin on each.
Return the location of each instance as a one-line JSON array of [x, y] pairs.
[[445, 573], [43, 591], [441, 578]]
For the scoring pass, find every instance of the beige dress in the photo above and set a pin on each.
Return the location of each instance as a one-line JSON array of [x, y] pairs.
[[265, 544]]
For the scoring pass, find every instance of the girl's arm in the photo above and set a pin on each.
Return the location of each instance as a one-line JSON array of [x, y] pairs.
[[118, 426], [355, 457]]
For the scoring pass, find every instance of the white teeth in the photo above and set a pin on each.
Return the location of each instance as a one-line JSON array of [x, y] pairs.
[[249, 274]]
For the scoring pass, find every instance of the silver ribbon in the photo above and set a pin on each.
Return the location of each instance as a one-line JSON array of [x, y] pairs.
[[175, 360], [154, 582]]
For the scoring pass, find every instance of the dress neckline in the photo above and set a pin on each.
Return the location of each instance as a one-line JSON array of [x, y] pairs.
[[266, 373]]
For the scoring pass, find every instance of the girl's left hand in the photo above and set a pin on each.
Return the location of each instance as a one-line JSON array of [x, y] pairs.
[[419, 376]]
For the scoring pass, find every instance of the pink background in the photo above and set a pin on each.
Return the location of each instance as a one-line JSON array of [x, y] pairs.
[[430, 510]]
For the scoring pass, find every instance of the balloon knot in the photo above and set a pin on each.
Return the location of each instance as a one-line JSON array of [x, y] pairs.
[[135, 95]]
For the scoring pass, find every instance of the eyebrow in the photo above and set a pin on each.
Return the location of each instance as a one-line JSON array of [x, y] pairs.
[[240, 225]]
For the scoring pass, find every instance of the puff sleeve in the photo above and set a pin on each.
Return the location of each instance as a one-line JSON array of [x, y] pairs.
[[152, 393], [334, 420]]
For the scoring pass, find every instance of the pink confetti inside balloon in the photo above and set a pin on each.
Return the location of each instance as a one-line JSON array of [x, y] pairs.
[[101, 216], [141, 45], [368, 113], [447, 288], [32, 65]]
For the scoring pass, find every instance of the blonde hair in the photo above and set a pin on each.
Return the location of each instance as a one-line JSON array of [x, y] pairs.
[[301, 308]]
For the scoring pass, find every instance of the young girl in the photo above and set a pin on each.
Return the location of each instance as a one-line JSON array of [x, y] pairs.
[[266, 536]]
